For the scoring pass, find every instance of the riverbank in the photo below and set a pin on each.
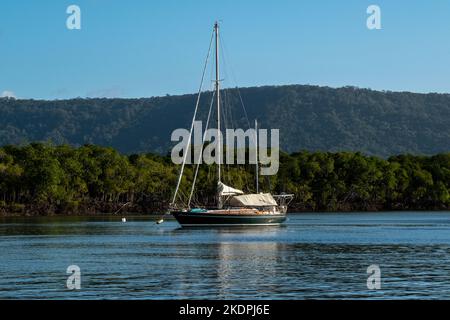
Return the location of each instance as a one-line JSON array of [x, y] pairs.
[[93, 209], [157, 214]]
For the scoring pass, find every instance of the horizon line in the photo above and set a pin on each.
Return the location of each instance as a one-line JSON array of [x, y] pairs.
[[227, 88]]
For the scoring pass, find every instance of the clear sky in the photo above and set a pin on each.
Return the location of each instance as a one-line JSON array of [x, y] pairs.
[[142, 48]]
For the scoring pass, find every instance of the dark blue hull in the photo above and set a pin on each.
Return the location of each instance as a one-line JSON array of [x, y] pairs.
[[189, 219]]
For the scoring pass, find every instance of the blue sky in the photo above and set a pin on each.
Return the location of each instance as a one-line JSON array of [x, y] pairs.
[[140, 48]]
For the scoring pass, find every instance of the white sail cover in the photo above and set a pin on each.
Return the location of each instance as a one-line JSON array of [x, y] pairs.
[[253, 200], [225, 190]]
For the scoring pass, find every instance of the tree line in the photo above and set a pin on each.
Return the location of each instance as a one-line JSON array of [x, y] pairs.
[[42, 179]]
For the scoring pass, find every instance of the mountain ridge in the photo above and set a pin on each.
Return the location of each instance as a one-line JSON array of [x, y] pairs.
[[313, 118]]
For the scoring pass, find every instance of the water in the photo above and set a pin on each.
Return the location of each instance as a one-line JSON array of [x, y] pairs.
[[314, 256]]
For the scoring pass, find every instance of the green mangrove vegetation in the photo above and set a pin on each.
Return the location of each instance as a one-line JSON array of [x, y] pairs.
[[41, 179]]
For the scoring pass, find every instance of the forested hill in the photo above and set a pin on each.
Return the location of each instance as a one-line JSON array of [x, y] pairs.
[[309, 118]]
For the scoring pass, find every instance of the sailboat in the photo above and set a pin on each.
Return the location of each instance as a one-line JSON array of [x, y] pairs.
[[233, 207]]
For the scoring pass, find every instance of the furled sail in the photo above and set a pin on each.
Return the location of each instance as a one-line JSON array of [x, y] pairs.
[[225, 190], [253, 200]]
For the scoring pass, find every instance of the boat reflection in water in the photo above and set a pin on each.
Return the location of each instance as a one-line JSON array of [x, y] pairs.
[[236, 259], [241, 258]]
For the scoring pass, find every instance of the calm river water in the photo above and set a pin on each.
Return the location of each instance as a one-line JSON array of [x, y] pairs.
[[313, 256]]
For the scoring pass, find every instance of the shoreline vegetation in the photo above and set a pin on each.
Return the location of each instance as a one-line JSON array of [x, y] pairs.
[[44, 180]]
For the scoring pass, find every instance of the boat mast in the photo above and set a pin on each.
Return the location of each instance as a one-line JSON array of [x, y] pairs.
[[219, 151], [180, 176], [256, 156]]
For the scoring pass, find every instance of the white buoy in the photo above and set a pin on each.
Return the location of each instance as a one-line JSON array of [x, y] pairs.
[[160, 221], [124, 220]]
